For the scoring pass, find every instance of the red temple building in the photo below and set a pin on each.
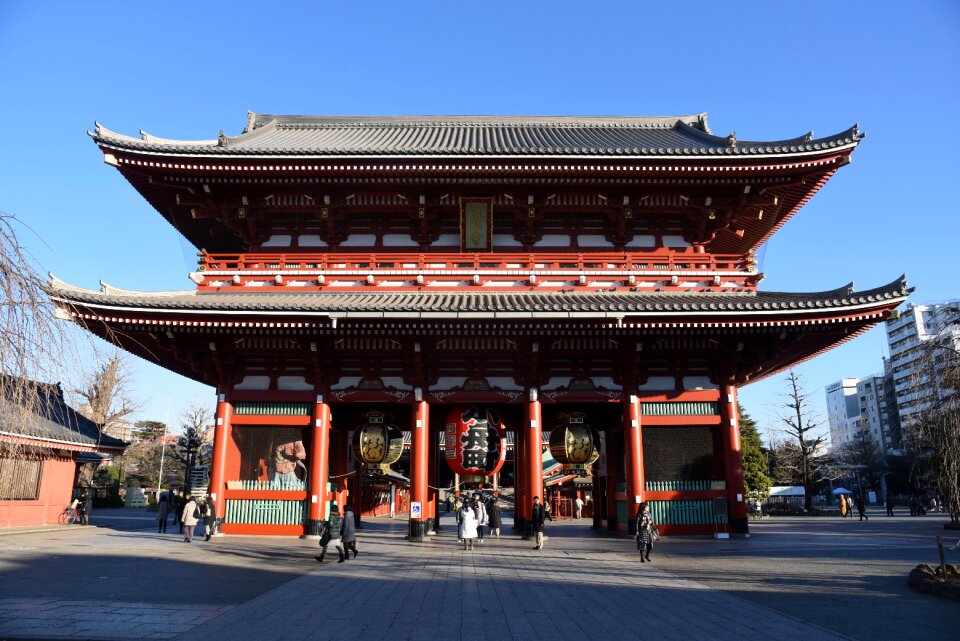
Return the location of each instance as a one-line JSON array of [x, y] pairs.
[[47, 450], [559, 272]]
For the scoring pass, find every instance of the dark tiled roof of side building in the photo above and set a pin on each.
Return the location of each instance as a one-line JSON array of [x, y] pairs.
[[442, 303], [552, 136], [51, 418]]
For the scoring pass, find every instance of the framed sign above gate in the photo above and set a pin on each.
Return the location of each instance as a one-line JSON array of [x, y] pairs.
[[476, 224]]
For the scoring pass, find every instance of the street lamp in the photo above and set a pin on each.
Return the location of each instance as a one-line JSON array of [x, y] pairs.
[[190, 445]]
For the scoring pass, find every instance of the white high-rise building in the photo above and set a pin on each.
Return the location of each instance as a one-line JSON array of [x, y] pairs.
[[907, 337], [843, 412], [878, 412]]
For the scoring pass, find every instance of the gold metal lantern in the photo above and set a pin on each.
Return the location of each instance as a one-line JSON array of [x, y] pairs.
[[574, 444], [377, 444]]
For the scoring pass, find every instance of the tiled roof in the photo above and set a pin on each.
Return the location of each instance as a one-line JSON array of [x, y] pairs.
[[440, 304], [557, 136], [56, 421]]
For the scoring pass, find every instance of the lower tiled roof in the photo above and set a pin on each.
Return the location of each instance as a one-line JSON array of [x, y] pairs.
[[444, 304], [53, 420]]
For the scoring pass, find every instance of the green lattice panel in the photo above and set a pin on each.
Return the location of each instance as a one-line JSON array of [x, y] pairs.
[[681, 408], [270, 408], [266, 512], [698, 512], [678, 486]]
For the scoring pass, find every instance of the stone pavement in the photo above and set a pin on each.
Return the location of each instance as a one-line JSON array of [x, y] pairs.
[[575, 589], [127, 582], [34, 617]]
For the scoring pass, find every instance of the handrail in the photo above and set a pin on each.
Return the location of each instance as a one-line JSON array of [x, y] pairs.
[[655, 261]]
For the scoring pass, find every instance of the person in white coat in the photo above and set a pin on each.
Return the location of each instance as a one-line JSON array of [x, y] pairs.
[[190, 516], [468, 528]]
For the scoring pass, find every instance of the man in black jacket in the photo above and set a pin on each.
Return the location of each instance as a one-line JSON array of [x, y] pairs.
[[537, 517]]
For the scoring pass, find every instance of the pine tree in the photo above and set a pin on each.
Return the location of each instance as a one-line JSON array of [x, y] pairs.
[[754, 460]]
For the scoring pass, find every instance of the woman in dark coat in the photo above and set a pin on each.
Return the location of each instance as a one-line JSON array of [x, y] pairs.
[[163, 512], [495, 519], [209, 519], [331, 532], [645, 529], [348, 536]]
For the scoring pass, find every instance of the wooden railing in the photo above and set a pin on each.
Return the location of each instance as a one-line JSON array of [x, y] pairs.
[[662, 260]]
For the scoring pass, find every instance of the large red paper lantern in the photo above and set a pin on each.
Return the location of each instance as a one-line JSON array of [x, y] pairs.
[[474, 441]]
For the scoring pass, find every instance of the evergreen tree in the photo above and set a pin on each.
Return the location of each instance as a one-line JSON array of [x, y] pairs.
[[754, 460]]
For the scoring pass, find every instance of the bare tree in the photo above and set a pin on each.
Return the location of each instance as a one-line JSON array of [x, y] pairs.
[[106, 395], [864, 457], [195, 445], [801, 430], [33, 347], [932, 434]]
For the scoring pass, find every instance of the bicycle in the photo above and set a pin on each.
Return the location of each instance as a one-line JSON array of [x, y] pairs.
[[69, 516]]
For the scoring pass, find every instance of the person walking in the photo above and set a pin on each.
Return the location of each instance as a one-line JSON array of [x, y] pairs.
[[843, 506], [480, 511], [462, 507], [862, 508], [331, 532], [646, 532], [189, 518], [209, 513], [468, 527], [177, 505], [449, 504], [163, 512], [537, 517], [496, 519], [348, 536], [86, 507], [578, 507], [890, 504]]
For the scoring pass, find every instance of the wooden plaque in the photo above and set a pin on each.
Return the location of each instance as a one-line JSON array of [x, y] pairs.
[[476, 224]]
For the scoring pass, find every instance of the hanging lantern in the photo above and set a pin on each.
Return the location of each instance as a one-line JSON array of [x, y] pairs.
[[376, 444], [574, 444], [474, 441]]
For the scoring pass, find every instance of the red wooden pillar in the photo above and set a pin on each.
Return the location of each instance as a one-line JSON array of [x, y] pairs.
[[218, 464], [319, 468], [356, 492], [733, 458], [419, 467], [614, 445], [534, 453], [633, 447], [339, 468], [519, 482], [432, 491]]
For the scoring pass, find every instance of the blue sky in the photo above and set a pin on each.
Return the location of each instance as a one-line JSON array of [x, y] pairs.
[[767, 70]]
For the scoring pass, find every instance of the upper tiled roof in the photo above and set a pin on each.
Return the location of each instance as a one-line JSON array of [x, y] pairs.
[[558, 136], [442, 304], [56, 421]]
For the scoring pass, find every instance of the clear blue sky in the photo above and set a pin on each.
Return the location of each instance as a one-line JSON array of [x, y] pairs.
[[768, 70]]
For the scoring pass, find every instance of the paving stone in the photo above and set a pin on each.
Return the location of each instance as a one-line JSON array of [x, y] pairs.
[[577, 588]]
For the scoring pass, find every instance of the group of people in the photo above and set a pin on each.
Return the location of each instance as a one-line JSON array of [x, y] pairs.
[[341, 531], [475, 514], [847, 504], [188, 512], [920, 505]]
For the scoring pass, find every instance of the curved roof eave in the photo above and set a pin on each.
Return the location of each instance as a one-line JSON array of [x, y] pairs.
[[460, 305], [569, 137]]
